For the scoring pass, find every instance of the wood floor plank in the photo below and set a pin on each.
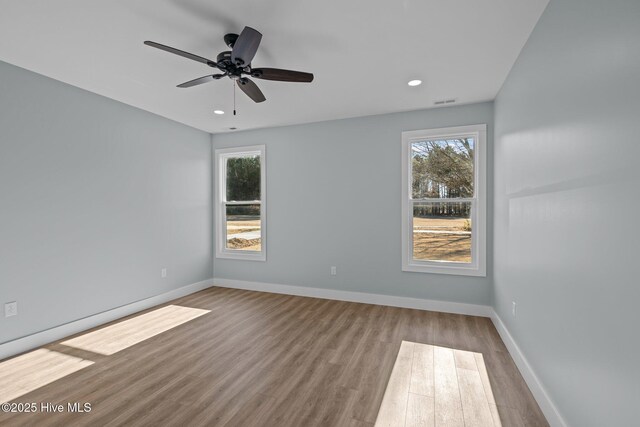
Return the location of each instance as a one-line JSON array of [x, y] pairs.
[[448, 406], [422, 371], [510, 417], [465, 360], [484, 376], [34, 370], [253, 412], [420, 411], [269, 360], [458, 395], [338, 407], [394, 404], [372, 383], [495, 414], [114, 338], [475, 405]]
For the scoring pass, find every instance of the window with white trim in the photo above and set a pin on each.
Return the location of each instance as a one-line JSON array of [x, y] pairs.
[[240, 203], [444, 200]]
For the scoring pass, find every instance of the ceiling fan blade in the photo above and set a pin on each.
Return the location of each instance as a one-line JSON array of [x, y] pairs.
[[281, 75], [181, 53], [251, 89], [201, 80], [246, 46]]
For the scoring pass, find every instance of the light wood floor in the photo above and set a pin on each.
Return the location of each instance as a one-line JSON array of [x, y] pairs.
[[259, 359], [438, 386]]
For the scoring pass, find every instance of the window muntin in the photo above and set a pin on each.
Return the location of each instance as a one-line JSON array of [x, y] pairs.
[[240, 203], [444, 205]]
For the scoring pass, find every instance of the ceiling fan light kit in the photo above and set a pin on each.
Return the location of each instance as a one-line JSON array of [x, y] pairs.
[[236, 64]]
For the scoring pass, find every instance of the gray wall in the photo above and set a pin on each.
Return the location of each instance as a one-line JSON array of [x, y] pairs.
[[566, 207], [333, 198], [95, 198]]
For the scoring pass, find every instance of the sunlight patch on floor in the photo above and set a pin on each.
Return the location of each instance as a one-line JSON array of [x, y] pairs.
[[438, 386], [117, 337], [22, 374]]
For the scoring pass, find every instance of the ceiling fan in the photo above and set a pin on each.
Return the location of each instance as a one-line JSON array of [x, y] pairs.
[[236, 64]]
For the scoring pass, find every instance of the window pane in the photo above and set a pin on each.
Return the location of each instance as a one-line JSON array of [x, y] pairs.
[[442, 168], [244, 227], [243, 178], [442, 231]]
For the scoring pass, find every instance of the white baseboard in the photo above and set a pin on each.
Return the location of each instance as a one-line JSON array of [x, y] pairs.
[[366, 298], [537, 389], [38, 339]]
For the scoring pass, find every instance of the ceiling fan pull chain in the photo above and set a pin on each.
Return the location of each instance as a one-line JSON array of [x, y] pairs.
[[234, 98]]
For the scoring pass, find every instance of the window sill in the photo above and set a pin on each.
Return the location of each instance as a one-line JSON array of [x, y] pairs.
[[246, 256], [445, 268]]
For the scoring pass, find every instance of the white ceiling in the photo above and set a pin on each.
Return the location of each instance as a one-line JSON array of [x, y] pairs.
[[362, 53]]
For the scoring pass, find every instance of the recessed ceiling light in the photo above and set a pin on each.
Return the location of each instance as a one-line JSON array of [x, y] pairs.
[[218, 112], [415, 83]]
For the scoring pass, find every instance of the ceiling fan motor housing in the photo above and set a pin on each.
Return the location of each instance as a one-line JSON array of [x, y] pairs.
[[226, 64], [224, 56], [230, 39]]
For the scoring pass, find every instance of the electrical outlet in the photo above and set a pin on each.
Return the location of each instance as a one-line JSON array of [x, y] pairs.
[[333, 270], [163, 273], [11, 309], [513, 308]]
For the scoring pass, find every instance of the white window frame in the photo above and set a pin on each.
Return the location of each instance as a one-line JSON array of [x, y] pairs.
[[221, 156], [479, 203]]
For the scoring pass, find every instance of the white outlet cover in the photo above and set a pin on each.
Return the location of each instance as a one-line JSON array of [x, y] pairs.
[[11, 309], [163, 272], [333, 270]]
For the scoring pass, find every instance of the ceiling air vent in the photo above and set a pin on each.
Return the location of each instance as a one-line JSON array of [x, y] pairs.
[[444, 101]]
